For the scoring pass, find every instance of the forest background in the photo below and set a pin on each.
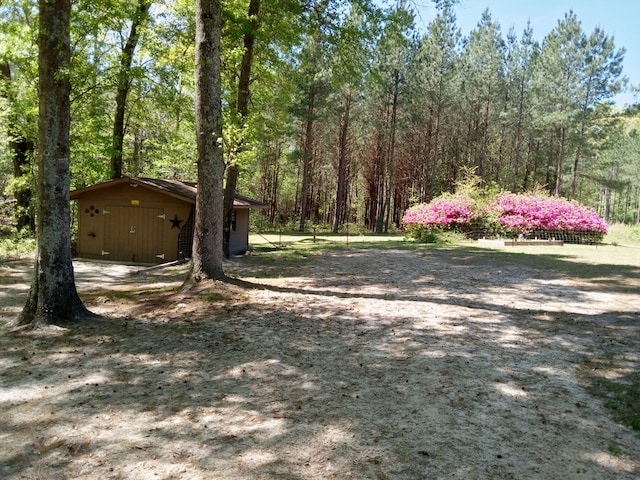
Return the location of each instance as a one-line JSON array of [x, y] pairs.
[[349, 115]]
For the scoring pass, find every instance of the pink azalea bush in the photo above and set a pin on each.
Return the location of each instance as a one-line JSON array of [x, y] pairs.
[[522, 213], [444, 211], [506, 214], [447, 212]]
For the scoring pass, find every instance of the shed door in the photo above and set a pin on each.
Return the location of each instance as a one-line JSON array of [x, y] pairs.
[[133, 234]]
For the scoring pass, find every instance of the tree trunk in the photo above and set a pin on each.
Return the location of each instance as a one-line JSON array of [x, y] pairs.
[[20, 150], [233, 171], [607, 204], [124, 85], [307, 157], [389, 179], [53, 297], [576, 161], [485, 141], [340, 204], [518, 135], [436, 147], [627, 204], [379, 177], [247, 59], [207, 257], [556, 190]]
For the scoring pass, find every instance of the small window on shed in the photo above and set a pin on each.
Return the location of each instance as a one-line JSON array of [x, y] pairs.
[[234, 219]]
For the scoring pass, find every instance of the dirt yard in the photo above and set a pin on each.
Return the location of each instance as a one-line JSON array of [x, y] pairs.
[[353, 364]]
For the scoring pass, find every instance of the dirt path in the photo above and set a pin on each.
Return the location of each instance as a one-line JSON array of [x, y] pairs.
[[359, 364]]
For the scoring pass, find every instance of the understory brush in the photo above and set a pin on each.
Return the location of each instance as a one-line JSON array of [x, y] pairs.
[[16, 244]]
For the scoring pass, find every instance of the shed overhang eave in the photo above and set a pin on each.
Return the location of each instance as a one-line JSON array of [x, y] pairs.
[[78, 193]]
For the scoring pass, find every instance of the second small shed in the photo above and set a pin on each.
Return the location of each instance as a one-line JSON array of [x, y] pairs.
[[146, 220]]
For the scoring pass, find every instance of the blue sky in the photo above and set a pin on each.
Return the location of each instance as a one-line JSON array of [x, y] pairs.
[[618, 18]]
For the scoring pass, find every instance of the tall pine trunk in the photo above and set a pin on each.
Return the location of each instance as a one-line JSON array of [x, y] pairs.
[[559, 159], [389, 179], [341, 197], [53, 297], [207, 257], [307, 158]]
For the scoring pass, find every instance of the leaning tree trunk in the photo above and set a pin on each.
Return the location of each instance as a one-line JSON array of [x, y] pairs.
[[233, 171], [124, 85], [207, 257], [53, 296]]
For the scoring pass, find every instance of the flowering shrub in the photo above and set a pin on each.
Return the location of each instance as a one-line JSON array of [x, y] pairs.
[[526, 213], [442, 211], [447, 212], [506, 214]]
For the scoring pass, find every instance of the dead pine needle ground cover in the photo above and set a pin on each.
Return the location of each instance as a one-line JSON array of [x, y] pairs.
[[394, 362]]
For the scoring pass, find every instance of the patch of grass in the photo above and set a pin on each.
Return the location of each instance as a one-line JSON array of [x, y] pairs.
[[69, 336], [322, 241], [614, 449], [619, 234], [275, 258], [182, 329], [611, 266], [216, 297], [620, 395]]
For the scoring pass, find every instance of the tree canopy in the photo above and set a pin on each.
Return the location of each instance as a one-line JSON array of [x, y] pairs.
[[351, 116]]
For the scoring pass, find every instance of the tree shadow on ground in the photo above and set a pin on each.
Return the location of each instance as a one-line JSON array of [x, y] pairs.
[[422, 367]]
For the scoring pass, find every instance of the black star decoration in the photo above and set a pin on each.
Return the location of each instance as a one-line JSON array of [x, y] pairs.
[[175, 223]]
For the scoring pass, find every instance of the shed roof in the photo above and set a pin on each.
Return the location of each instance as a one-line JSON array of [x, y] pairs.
[[185, 191]]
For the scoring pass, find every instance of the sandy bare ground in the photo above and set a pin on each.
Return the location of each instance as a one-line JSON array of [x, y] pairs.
[[355, 364]]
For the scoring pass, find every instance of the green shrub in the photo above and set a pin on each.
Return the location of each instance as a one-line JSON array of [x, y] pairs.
[[14, 243]]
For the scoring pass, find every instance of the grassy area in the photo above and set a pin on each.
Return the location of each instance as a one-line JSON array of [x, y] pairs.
[[581, 257], [621, 395], [323, 239], [620, 234], [290, 246]]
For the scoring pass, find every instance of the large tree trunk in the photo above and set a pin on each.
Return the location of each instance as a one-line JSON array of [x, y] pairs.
[[53, 296], [207, 257], [124, 85], [233, 171]]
